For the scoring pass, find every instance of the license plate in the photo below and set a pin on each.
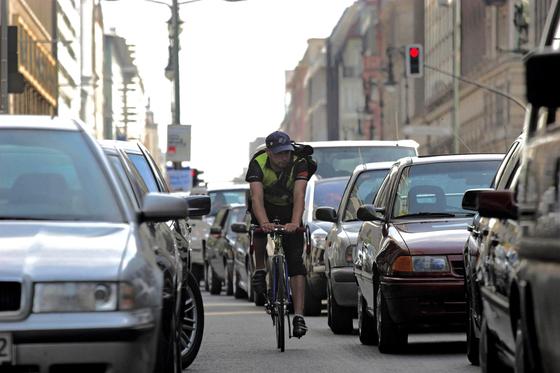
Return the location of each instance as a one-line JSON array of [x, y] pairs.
[[5, 348]]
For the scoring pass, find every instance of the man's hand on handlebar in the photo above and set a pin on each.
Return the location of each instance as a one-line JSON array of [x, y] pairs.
[[291, 227], [268, 227]]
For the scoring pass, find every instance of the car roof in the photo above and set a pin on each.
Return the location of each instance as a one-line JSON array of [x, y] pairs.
[[319, 180], [227, 187], [39, 122], [373, 166], [430, 159], [118, 144], [347, 143]]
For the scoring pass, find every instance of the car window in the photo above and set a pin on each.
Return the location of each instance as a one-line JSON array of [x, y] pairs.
[[236, 216], [221, 217], [121, 174], [143, 168], [439, 187], [329, 193], [363, 192], [53, 175], [341, 161], [382, 197], [218, 199], [505, 164]]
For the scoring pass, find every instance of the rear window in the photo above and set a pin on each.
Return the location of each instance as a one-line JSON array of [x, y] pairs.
[[219, 199], [341, 161], [329, 193], [52, 175]]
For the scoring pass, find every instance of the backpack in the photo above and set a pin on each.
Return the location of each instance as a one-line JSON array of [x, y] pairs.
[[300, 151]]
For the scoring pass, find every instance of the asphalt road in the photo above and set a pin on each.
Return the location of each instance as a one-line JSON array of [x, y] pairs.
[[239, 337]]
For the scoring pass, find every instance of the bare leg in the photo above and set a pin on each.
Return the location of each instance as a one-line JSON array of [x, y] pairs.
[[298, 292]]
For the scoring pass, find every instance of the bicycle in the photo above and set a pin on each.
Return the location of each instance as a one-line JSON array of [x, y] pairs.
[[278, 301]]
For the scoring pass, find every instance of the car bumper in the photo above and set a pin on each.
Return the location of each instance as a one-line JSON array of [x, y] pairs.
[[344, 286], [425, 303], [98, 342]]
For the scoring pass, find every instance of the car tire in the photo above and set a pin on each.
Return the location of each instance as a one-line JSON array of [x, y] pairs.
[[192, 325], [390, 338], [521, 350], [367, 330], [472, 341], [229, 280], [238, 293], [206, 276], [215, 283], [488, 352], [311, 304], [340, 318]]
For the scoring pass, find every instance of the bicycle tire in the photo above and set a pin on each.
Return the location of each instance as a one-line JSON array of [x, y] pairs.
[[279, 303]]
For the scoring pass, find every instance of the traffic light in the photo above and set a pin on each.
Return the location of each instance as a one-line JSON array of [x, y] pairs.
[[195, 179], [414, 55]]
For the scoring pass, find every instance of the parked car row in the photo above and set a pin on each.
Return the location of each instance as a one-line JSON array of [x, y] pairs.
[[95, 255]]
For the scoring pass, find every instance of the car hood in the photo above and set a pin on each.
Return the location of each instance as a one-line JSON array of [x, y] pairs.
[[434, 236], [62, 251]]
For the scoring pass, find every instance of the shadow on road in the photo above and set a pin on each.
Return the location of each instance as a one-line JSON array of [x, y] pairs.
[[435, 348]]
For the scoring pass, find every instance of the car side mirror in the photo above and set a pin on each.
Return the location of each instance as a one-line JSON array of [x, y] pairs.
[[369, 213], [542, 79], [239, 228], [497, 204], [159, 207], [198, 205], [470, 198], [216, 230], [325, 213]]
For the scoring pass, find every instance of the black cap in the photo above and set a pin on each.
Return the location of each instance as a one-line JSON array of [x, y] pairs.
[[279, 141]]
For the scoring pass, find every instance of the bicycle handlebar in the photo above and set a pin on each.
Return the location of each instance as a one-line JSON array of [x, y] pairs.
[[278, 229]]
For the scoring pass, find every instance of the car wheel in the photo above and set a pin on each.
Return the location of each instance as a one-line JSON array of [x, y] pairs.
[[238, 293], [472, 340], [521, 350], [340, 317], [488, 351], [206, 277], [311, 304], [192, 325], [229, 280], [389, 335], [367, 329], [215, 283]]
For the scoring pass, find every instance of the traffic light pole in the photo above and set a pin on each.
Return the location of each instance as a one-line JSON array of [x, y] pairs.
[[456, 72], [176, 80], [4, 57]]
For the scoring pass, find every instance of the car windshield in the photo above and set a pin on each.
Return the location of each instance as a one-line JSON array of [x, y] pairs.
[[220, 198], [341, 161], [438, 188], [329, 192], [363, 192], [51, 175]]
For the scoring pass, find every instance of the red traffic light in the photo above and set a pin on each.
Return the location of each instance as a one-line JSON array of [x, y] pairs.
[[414, 52]]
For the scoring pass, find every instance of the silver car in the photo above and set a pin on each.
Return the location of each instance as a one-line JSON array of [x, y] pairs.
[[341, 240], [80, 283]]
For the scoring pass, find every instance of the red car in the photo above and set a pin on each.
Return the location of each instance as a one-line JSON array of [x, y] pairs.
[[408, 260]]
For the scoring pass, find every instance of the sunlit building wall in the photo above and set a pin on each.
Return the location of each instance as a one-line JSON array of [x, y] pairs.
[[35, 20]]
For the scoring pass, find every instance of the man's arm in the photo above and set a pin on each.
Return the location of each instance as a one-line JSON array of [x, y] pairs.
[[257, 203], [299, 203]]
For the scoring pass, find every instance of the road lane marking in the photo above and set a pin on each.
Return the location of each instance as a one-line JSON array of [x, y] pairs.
[[234, 313]]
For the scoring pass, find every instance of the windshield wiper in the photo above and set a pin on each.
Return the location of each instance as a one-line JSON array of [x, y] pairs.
[[433, 214]]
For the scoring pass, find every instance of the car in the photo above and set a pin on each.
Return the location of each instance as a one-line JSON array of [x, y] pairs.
[[342, 288], [478, 246], [220, 195], [140, 175], [340, 157], [220, 248], [408, 262], [319, 193], [82, 269]]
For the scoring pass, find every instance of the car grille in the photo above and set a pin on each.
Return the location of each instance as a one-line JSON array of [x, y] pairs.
[[458, 267], [10, 296]]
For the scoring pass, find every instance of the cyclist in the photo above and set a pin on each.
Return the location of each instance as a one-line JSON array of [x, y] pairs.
[[278, 180]]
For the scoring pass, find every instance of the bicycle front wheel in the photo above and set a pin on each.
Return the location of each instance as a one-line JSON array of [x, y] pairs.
[[280, 342], [280, 302]]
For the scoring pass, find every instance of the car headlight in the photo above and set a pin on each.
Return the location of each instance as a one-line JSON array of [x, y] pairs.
[[319, 238], [75, 297], [421, 264]]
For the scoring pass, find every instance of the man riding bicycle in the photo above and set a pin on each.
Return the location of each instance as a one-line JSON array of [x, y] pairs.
[[278, 180]]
